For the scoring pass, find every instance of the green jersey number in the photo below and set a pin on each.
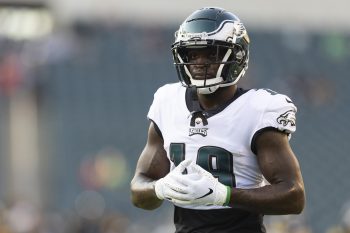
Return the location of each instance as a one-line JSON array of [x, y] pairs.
[[215, 160]]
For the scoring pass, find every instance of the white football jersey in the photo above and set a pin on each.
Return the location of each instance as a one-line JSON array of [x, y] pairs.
[[223, 146]]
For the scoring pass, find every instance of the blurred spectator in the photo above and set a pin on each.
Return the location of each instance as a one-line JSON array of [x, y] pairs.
[[11, 75]]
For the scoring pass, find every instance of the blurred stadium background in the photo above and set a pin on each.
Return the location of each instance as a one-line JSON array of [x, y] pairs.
[[77, 78]]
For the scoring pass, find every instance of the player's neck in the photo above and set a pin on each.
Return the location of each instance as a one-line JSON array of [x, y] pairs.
[[218, 98]]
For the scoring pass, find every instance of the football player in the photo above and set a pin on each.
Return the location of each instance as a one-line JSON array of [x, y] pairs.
[[219, 153]]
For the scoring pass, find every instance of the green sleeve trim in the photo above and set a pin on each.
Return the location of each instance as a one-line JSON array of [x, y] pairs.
[[228, 196]]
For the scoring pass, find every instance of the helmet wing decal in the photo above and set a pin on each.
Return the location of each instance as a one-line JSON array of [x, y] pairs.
[[227, 31]]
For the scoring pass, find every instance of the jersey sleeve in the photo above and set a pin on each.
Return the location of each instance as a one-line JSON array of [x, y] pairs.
[[279, 114], [159, 107], [154, 110], [162, 105]]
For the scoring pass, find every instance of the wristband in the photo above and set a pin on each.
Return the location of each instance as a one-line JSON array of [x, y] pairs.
[[228, 196]]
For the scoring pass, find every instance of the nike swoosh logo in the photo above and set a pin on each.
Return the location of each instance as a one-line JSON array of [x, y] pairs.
[[208, 193]]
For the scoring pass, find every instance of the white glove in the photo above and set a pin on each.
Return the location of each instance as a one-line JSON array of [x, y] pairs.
[[200, 187], [171, 184]]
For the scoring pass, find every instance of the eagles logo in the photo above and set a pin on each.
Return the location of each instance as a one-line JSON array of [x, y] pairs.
[[201, 131], [287, 117]]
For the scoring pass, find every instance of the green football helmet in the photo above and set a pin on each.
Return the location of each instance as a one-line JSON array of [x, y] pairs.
[[218, 30]]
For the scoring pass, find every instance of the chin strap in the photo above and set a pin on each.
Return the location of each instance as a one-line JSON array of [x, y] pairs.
[[196, 111]]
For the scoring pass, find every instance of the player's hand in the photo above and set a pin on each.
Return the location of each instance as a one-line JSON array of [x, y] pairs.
[[201, 188], [169, 185]]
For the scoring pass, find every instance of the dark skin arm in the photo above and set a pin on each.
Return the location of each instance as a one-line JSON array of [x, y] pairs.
[[152, 165], [285, 194]]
